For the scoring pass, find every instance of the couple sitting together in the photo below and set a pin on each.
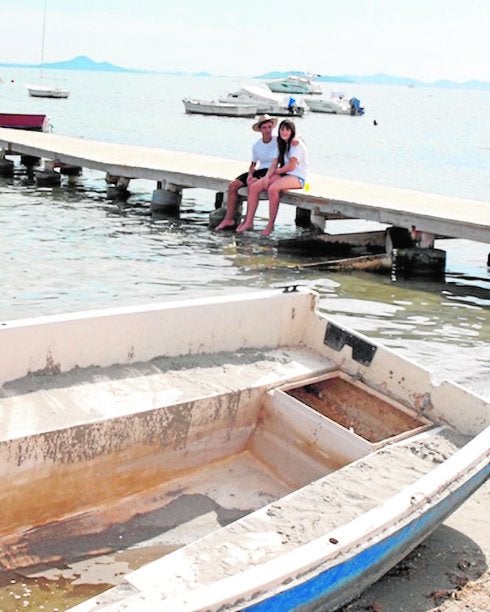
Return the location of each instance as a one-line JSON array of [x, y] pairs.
[[278, 163]]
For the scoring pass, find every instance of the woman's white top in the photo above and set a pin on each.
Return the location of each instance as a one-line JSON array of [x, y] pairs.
[[300, 152]]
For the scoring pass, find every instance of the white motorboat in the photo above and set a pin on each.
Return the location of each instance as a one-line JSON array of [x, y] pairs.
[[294, 84], [227, 453], [266, 101], [47, 91], [337, 104], [216, 107]]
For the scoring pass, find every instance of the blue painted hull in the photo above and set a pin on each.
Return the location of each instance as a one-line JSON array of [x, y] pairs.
[[340, 584]]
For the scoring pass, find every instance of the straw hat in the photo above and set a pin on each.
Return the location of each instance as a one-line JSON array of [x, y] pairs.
[[263, 119]]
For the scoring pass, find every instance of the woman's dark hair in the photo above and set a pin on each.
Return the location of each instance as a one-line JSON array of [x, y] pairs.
[[285, 145]]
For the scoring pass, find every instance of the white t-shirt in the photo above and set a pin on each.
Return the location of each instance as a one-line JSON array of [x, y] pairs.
[[300, 152], [263, 154]]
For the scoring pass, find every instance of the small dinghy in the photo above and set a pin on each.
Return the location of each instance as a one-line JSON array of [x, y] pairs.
[[248, 450]]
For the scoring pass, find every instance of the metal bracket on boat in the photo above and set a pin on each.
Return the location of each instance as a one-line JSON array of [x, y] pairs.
[[336, 338]]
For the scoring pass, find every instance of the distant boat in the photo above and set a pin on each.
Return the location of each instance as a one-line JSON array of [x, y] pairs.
[[295, 84], [215, 107], [43, 90], [337, 104], [47, 91]]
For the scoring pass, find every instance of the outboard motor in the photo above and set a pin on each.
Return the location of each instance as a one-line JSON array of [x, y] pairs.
[[291, 105], [355, 107]]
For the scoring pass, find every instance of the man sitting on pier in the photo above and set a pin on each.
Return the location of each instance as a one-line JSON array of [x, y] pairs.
[[264, 151]]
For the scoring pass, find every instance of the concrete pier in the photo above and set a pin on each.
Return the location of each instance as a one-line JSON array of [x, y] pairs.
[[424, 215]]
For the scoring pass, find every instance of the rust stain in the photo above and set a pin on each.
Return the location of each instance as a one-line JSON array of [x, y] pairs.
[[369, 416]]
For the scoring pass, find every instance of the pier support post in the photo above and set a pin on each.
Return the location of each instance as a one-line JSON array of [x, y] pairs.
[[313, 220], [413, 253], [47, 176], [303, 217], [166, 199], [29, 161], [6, 166], [219, 199], [318, 221], [67, 170], [429, 263], [117, 187], [397, 238], [220, 202]]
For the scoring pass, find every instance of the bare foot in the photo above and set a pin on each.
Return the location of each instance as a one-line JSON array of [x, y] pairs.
[[243, 227], [225, 224], [268, 231]]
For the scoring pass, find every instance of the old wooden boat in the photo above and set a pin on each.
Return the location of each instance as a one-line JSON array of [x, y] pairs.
[[254, 453], [25, 121]]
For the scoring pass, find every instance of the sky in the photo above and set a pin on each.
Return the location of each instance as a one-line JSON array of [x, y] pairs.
[[420, 39]]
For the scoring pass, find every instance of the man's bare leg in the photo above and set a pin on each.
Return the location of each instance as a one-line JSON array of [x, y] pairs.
[[232, 198]]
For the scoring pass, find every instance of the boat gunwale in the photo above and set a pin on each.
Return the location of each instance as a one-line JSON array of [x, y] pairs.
[[307, 560]]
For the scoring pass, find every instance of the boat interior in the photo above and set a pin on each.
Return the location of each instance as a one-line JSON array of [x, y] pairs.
[[129, 476]]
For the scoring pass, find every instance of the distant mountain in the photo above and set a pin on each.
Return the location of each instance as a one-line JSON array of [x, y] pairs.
[[82, 62]]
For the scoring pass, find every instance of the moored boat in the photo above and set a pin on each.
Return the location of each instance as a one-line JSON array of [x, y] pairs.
[[266, 102], [24, 121], [47, 91], [295, 84], [337, 104], [42, 89], [285, 460], [215, 107]]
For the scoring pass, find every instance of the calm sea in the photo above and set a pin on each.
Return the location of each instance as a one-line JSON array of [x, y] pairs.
[[69, 248]]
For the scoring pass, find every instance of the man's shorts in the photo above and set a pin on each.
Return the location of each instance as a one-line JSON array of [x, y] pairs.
[[257, 174]]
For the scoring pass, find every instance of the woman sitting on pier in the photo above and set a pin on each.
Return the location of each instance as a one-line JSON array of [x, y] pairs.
[[288, 171]]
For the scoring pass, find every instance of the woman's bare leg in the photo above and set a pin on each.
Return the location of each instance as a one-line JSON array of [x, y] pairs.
[[274, 191]]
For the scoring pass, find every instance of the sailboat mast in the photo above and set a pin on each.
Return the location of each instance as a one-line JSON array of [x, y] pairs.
[[43, 38]]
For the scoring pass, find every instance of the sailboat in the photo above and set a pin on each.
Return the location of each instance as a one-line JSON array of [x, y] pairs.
[[43, 90]]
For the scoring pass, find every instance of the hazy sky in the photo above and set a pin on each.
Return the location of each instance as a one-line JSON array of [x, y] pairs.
[[424, 39]]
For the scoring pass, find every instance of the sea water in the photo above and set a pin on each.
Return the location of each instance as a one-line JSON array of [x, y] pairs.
[[70, 248]]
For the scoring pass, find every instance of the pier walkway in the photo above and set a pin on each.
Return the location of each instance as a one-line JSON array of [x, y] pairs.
[[437, 214]]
